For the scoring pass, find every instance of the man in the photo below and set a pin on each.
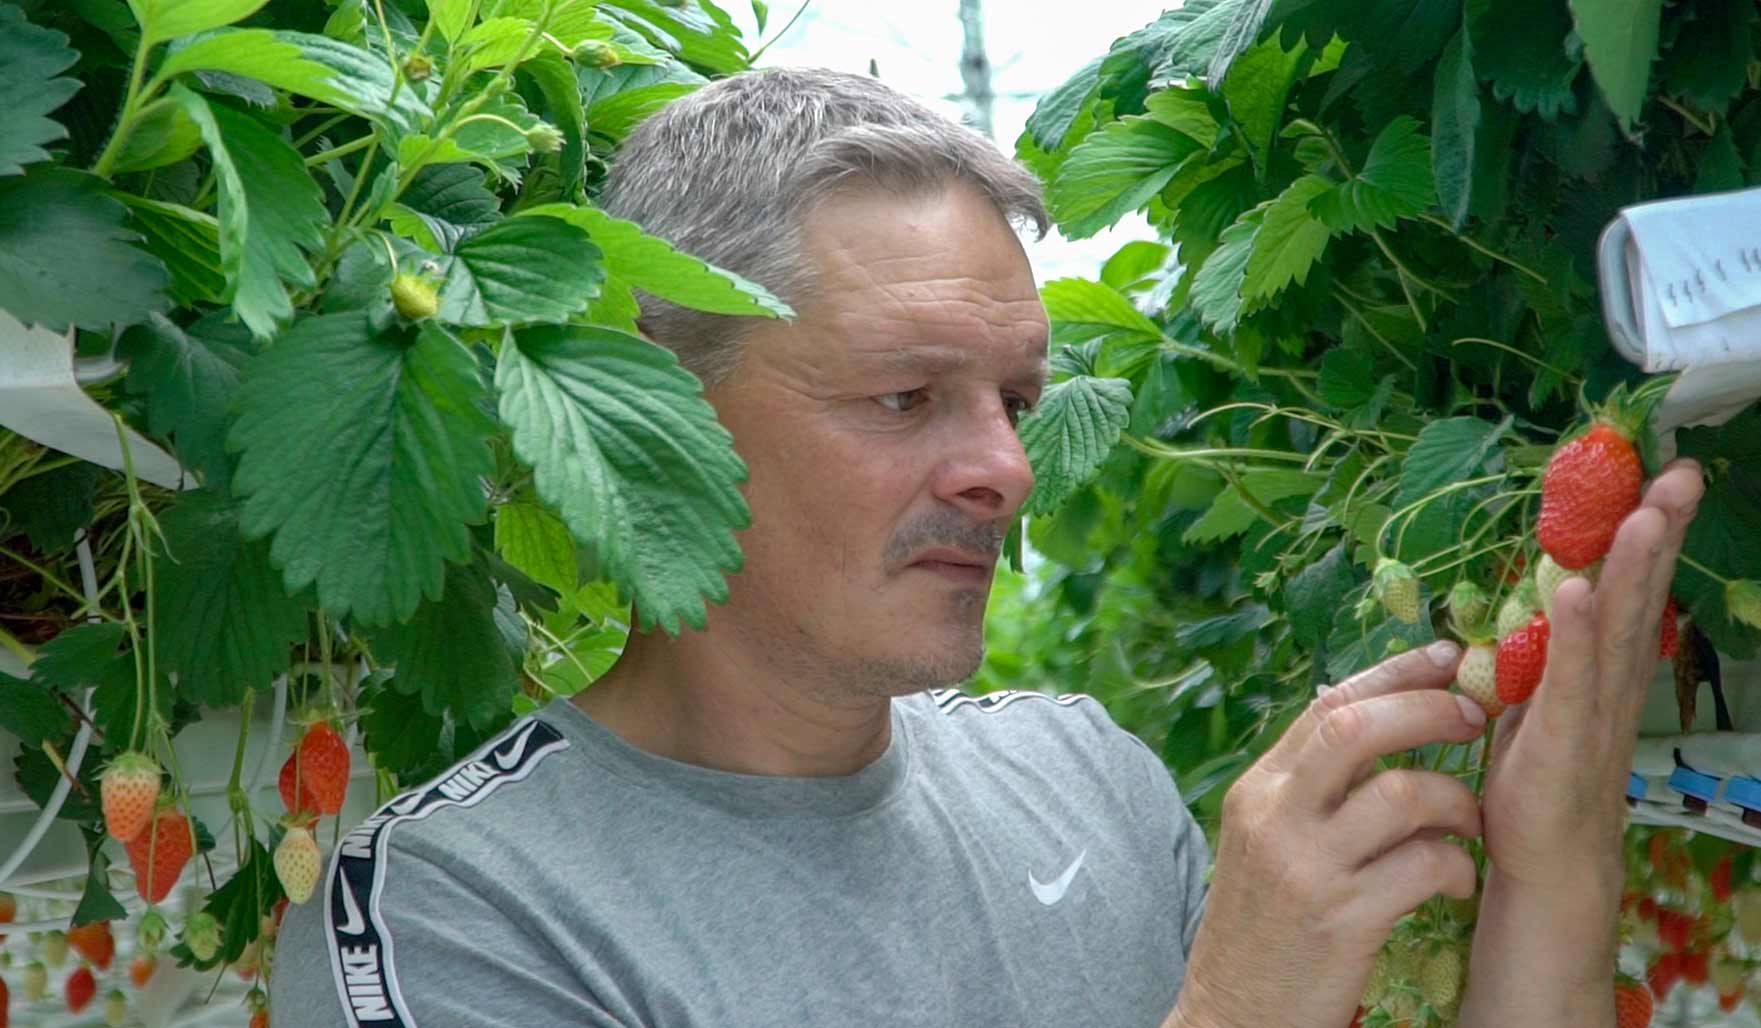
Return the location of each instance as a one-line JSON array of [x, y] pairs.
[[788, 818]]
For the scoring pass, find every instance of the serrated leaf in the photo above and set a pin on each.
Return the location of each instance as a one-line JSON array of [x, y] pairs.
[[168, 19], [556, 80], [626, 449], [451, 17], [615, 116], [451, 651], [1722, 533], [492, 43], [1708, 64], [1239, 32], [225, 624], [1115, 171], [31, 88], [1314, 595], [1256, 93], [1230, 514], [1069, 433], [367, 488], [188, 381], [652, 265], [1529, 67], [187, 241], [1394, 183], [1347, 378], [1216, 288], [242, 900], [1056, 111], [271, 209], [95, 901], [521, 270], [535, 540], [31, 712], [51, 507], [1289, 241], [65, 257], [448, 202], [701, 35], [77, 658], [327, 70], [164, 136], [1455, 127], [1081, 301], [1223, 629], [1447, 451], [1620, 42]]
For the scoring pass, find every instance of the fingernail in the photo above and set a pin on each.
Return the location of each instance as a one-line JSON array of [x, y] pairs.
[[1443, 652], [1471, 712]]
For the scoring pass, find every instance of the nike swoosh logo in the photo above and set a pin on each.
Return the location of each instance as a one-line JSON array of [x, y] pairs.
[[509, 758], [352, 923], [1051, 892]]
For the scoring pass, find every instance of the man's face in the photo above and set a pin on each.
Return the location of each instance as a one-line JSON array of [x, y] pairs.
[[879, 429]]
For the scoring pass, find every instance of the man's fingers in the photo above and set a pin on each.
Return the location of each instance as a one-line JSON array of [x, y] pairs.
[[1428, 667], [1571, 685], [1394, 806], [1625, 613], [1676, 492], [1408, 875], [1348, 737]]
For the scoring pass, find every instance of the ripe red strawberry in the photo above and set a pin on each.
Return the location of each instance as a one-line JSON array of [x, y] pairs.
[[1477, 676], [80, 989], [159, 854], [1669, 633], [1632, 1004], [140, 969], [5, 1004], [1665, 971], [94, 942], [1522, 659], [1719, 880], [8, 911], [320, 766], [1696, 967], [260, 1019], [297, 864], [1592, 482], [129, 789]]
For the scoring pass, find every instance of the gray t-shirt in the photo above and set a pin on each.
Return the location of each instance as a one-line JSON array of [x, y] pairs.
[[1011, 861]]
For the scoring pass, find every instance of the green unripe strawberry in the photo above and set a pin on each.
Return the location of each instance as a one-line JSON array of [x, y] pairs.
[[544, 138], [1398, 589], [1440, 978], [418, 67], [597, 53], [1518, 608], [1468, 607], [151, 931], [201, 933], [36, 981], [414, 296]]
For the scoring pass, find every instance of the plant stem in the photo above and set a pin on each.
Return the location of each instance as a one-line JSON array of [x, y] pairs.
[[1702, 569], [1474, 244], [338, 151], [756, 54], [130, 110], [1513, 351]]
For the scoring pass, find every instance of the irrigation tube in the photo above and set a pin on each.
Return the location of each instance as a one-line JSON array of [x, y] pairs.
[[88, 575]]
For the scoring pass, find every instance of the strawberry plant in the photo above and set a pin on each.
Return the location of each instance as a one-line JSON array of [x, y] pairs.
[[341, 270], [1371, 395]]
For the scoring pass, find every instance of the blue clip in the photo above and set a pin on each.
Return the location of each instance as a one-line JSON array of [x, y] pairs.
[[1693, 783], [1635, 785], [1743, 792]]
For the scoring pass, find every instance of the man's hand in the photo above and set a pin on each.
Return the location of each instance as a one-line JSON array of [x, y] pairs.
[[1319, 855], [1554, 802]]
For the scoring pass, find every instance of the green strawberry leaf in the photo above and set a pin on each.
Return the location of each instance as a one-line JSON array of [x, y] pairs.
[[368, 473], [187, 241], [327, 70], [1313, 596], [50, 508], [1620, 42], [225, 624], [65, 257], [168, 19], [1069, 433], [443, 204], [1720, 536], [1447, 451], [1230, 514], [1082, 309], [31, 62], [1395, 182], [534, 539], [1115, 171], [95, 902], [31, 712], [520, 270], [164, 135], [652, 265], [1455, 120], [1216, 288], [242, 900], [451, 651], [77, 658], [626, 449], [1289, 241], [271, 209], [188, 380], [1528, 66]]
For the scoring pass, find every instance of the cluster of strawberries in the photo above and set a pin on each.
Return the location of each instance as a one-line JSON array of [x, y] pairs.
[[1693, 930]]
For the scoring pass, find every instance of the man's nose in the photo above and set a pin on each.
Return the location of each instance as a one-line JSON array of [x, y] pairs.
[[991, 478]]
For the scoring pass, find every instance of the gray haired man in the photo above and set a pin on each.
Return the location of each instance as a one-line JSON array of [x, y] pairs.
[[790, 818]]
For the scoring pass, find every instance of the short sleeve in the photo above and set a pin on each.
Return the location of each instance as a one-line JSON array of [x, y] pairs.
[[447, 958]]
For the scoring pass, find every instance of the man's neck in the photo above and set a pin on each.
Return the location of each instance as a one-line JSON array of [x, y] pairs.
[[699, 701]]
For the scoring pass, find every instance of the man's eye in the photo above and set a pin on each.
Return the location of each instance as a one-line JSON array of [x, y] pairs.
[[1017, 407], [900, 402]]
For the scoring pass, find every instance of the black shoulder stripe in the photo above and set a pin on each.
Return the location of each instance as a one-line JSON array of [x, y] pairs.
[[949, 700], [360, 945]]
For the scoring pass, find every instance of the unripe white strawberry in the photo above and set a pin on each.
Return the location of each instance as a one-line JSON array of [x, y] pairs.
[[1398, 588], [36, 981], [1518, 608], [297, 864], [1477, 677], [1549, 576], [115, 1008], [1747, 905]]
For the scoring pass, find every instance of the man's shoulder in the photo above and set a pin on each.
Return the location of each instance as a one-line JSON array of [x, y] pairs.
[[1023, 718]]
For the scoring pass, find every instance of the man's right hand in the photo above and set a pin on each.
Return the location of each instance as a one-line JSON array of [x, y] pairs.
[[1319, 854]]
